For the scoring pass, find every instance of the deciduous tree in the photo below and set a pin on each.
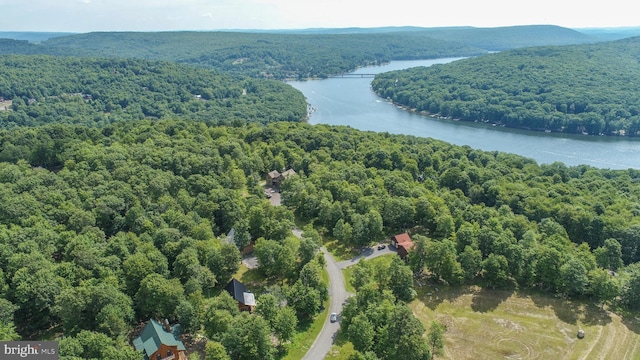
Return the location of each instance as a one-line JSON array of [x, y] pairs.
[[436, 338], [248, 338]]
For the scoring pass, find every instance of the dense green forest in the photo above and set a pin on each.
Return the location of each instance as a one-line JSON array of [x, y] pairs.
[[128, 225], [302, 54], [295, 54], [254, 54], [48, 89], [571, 89], [258, 55], [121, 178]]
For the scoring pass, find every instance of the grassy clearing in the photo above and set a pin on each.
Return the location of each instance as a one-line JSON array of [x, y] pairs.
[[348, 274], [340, 252], [340, 351], [5, 105], [494, 324], [255, 280]]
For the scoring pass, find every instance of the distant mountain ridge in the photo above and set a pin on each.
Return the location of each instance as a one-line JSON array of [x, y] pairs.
[[607, 34], [492, 39], [347, 30], [296, 53], [32, 36], [503, 38]]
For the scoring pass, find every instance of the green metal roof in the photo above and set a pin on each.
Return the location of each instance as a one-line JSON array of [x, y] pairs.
[[153, 335]]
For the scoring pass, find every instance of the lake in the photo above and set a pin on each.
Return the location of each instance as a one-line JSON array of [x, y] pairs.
[[350, 101]]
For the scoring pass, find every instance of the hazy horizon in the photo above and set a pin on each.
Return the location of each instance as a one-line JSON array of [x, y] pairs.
[[306, 29], [81, 16]]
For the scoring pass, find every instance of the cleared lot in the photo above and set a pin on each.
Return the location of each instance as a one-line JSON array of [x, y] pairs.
[[494, 324]]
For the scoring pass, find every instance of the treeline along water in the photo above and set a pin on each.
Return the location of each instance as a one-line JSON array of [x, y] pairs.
[[350, 101]]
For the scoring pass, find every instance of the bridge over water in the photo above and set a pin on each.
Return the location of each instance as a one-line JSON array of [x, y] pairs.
[[353, 76]]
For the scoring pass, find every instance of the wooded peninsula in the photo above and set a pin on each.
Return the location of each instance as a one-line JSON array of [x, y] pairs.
[[571, 89]]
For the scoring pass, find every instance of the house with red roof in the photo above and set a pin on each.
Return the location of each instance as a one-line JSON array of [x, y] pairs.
[[402, 242]]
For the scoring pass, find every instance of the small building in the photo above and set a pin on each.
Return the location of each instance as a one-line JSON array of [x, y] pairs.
[[246, 299], [275, 179], [160, 342], [272, 178], [403, 244], [287, 174]]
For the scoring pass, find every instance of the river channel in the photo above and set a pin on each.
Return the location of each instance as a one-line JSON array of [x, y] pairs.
[[350, 101]]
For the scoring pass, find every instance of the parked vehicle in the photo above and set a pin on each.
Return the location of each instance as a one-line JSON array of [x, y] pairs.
[[381, 246]]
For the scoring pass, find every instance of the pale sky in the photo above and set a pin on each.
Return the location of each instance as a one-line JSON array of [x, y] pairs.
[[168, 15]]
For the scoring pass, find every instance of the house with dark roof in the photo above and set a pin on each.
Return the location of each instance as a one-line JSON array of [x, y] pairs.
[[403, 244], [246, 299], [160, 342]]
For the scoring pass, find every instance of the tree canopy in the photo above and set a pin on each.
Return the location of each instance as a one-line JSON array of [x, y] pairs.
[[110, 216], [120, 180], [570, 89], [97, 92]]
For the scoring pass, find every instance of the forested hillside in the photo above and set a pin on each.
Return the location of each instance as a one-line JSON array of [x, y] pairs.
[[299, 53], [510, 37], [265, 55], [258, 55], [47, 89], [572, 89], [125, 226], [492, 39]]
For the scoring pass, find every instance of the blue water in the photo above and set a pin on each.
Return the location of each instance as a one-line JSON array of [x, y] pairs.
[[350, 101]]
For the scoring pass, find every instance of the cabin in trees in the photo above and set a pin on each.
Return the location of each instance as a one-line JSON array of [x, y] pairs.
[[403, 243], [275, 179], [160, 342], [246, 300]]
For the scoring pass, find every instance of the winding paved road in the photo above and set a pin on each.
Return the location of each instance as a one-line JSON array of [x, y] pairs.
[[338, 295], [337, 290]]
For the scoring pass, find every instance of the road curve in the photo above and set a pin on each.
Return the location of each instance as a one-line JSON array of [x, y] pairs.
[[367, 253], [337, 295]]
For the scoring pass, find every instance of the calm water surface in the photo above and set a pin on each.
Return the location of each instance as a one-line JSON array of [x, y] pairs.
[[350, 101]]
